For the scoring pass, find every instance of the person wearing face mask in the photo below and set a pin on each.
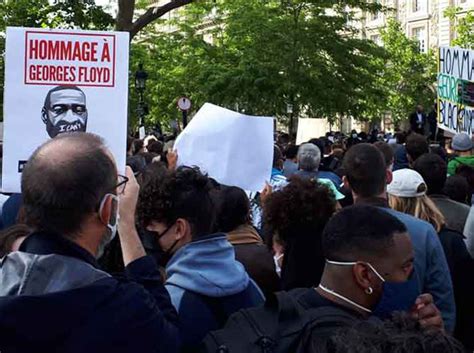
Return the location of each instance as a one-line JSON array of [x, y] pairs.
[[205, 281], [369, 272], [53, 295], [367, 176], [368, 276], [294, 219]]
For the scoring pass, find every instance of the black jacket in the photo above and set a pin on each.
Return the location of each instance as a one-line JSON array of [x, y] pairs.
[[55, 299], [415, 125], [461, 266]]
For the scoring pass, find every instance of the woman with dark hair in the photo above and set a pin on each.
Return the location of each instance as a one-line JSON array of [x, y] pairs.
[[295, 217], [233, 218]]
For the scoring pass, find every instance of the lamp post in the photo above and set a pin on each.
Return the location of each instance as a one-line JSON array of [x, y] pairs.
[[140, 85], [289, 110]]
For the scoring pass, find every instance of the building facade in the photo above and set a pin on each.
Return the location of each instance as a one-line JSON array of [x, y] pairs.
[[423, 20]]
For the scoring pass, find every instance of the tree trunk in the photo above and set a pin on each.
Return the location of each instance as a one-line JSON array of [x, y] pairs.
[[124, 21]]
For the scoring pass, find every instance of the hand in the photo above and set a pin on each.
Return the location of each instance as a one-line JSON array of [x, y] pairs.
[[427, 314], [172, 158], [132, 247], [266, 192], [128, 200]]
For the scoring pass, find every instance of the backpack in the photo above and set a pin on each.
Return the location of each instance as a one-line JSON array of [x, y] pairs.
[[282, 325]]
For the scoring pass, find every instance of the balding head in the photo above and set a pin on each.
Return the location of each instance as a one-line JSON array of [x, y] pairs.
[[64, 182]]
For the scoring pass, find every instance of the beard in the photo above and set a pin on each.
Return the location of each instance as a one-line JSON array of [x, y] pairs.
[[65, 127]]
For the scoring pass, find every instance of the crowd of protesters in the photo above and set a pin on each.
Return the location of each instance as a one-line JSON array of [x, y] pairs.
[[360, 243]]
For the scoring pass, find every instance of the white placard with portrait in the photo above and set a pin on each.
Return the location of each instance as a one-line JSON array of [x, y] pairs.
[[62, 81]]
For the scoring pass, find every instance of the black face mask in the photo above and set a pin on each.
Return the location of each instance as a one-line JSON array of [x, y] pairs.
[[64, 127], [163, 257]]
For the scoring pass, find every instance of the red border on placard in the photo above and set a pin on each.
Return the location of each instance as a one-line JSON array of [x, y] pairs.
[[71, 34]]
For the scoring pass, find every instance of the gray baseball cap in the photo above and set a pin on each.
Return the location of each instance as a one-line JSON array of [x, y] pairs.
[[462, 142]]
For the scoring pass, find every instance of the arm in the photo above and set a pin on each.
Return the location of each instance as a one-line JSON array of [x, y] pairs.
[[132, 247], [153, 305]]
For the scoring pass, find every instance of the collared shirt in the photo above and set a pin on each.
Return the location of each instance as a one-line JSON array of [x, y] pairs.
[[419, 117], [42, 243]]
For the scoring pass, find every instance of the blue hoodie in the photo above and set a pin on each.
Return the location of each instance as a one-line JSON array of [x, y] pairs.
[[207, 285]]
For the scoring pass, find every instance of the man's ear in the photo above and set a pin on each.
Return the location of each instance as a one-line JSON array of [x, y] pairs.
[[183, 230], [362, 276], [389, 176], [44, 115], [105, 212], [346, 182]]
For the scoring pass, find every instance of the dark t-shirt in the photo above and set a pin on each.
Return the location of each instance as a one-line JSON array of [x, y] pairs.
[[316, 341], [311, 299]]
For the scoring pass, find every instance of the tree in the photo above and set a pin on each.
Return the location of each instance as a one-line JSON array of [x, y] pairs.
[[409, 74], [127, 9], [266, 54], [464, 27]]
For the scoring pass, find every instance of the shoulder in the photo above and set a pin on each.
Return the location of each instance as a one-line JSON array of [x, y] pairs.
[[176, 294], [417, 228]]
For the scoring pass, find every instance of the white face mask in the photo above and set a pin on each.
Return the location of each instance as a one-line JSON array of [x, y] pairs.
[[112, 225], [276, 259]]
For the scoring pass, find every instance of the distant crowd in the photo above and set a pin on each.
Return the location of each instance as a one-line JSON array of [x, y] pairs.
[[359, 243]]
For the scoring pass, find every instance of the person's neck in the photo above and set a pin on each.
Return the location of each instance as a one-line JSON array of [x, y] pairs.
[[465, 154], [90, 237], [360, 199], [87, 243], [344, 288]]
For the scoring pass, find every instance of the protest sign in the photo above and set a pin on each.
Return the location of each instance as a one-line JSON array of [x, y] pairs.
[[60, 81], [455, 89], [233, 148], [311, 128]]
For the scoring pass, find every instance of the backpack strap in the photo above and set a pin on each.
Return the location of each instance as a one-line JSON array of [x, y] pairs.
[[321, 325]]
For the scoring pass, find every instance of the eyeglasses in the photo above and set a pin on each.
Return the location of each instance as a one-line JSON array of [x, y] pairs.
[[122, 182]]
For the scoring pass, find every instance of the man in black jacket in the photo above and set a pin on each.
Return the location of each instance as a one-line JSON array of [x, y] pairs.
[[418, 120], [53, 296]]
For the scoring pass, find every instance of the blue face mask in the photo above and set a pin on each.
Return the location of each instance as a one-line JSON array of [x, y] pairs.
[[396, 296]]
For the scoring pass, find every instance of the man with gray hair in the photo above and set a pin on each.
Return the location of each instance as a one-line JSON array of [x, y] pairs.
[[309, 158]]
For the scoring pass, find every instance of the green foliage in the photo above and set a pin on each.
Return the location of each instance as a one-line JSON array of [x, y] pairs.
[[409, 74], [464, 27], [83, 14], [262, 56]]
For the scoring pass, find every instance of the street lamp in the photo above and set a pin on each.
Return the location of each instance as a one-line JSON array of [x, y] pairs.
[[140, 78], [289, 110], [140, 84]]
